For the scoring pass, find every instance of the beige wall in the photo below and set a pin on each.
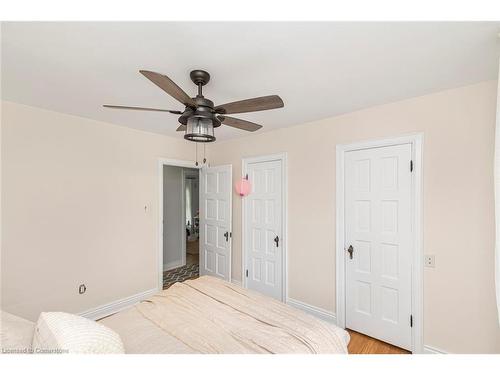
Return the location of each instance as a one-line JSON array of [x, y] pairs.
[[458, 127], [73, 194], [74, 191]]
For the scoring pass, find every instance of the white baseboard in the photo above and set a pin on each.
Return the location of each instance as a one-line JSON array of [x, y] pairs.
[[118, 305], [171, 265], [432, 350], [236, 282], [313, 310]]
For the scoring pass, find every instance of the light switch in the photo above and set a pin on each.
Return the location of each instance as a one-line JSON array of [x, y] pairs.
[[429, 261]]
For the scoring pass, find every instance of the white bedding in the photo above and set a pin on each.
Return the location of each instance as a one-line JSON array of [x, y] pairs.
[[208, 315], [141, 336], [16, 334]]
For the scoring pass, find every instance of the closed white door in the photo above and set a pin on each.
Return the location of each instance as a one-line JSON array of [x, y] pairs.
[[378, 243], [263, 229], [215, 221]]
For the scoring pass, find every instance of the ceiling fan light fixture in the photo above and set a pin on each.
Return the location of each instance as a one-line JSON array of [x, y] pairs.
[[199, 129]]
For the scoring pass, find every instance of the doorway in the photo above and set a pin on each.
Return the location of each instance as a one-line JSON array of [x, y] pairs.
[[209, 231], [264, 226], [379, 260], [179, 219]]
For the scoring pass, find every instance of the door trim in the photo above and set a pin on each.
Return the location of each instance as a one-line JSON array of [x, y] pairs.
[[284, 212], [161, 163], [416, 140]]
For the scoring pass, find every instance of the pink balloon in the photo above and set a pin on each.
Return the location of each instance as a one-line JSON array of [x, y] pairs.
[[243, 187]]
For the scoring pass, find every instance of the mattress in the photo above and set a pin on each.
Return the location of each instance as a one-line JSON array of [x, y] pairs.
[[209, 315]]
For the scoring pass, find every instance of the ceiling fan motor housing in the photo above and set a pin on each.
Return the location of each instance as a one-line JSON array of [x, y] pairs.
[[204, 109]]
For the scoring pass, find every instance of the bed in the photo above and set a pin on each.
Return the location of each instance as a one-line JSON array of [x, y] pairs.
[[209, 315]]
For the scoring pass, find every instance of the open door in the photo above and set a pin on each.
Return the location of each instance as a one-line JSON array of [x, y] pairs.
[[215, 221]]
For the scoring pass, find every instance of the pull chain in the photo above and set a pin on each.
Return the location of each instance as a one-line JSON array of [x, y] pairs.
[[196, 153], [204, 158]]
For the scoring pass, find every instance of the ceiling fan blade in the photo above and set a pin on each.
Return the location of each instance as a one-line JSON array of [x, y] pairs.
[[167, 85], [251, 105], [239, 123], [141, 109], [181, 128]]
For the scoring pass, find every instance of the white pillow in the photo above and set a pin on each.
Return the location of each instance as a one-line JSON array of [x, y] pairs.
[[16, 333], [59, 332]]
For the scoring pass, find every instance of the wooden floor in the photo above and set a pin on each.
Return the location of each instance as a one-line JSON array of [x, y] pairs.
[[362, 344], [192, 259], [193, 247], [192, 252]]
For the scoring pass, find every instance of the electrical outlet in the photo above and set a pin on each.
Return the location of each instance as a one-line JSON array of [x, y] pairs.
[[82, 289], [430, 261]]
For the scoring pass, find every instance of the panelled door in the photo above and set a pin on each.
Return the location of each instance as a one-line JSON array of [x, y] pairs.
[[263, 230], [378, 243], [215, 221]]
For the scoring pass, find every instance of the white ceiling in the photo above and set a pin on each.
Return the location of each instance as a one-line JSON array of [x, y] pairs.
[[319, 69]]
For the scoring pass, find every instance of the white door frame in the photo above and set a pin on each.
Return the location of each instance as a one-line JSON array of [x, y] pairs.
[[284, 212], [416, 140], [173, 163]]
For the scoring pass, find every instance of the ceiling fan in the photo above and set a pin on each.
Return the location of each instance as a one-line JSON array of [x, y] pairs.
[[200, 116]]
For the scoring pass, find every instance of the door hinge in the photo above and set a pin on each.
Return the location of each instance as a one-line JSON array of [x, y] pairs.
[[246, 273], [411, 165], [411, 320]]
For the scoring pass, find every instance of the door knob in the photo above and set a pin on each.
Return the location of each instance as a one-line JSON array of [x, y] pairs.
[[227, 236], [350, 250], [277, 241]]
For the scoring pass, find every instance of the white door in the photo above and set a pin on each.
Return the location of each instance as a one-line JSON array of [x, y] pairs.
[[215, 221], [263, 229], [378, 227]]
